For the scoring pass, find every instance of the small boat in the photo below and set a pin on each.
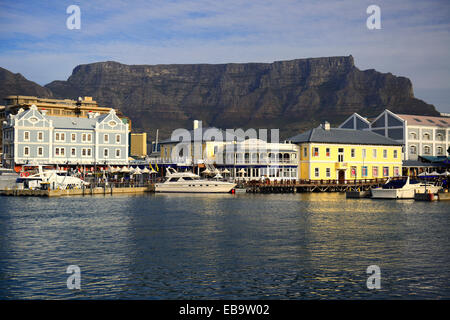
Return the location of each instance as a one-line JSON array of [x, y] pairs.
[[191, 182], [38, 178], [403, 189]]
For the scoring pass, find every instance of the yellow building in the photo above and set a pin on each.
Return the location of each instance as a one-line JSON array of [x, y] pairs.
[[343, 154], [138, 144]]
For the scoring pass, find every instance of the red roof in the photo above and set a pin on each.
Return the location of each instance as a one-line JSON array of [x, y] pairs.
[[429, 121]]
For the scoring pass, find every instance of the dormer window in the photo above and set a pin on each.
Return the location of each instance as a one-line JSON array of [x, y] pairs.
[[33, 120], [112, 123]]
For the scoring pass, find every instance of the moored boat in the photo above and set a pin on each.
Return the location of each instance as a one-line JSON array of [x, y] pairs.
[[403, 189], [191, 183]]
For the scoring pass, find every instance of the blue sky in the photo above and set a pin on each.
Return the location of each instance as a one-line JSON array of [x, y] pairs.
[[414, 40]]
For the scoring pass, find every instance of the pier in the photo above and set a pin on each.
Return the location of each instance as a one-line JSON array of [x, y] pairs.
[[293, 186]]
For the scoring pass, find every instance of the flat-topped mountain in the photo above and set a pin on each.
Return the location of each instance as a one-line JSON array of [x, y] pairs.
[[290, 95]]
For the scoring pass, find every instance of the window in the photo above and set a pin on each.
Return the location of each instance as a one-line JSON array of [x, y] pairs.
[[63, 137], [352, 152], [396, 172], [341, 154], [385, 171], [426, 150], [83, 137], [57, 136], [26, 151], [73, 152], [26, 136], [89, 150], [40, 151], [73, 137], [353, 172], [426, 136], [364, 172], [117, 138], [384, 153], [89, 137], [59, 152], [413, 136], [105, 153], [56, 151], [328, 172], [117, 153], [440, 150], [327, 151], [316, 172], [413, 150], [375, 172], [364, 153], [440, 137], [316, 152], [305, 152], [40, 136], [83, 152], [395, 154], [106, 138], [374, 153]]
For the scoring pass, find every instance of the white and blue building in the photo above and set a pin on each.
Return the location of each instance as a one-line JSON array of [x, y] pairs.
[[32, 137]]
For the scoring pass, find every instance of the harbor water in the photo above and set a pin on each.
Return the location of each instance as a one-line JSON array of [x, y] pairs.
[[243, 246]]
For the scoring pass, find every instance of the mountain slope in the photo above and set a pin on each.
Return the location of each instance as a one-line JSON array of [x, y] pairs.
[[16, 84]]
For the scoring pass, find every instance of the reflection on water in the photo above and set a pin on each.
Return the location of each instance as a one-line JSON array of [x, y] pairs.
[[222, 246]]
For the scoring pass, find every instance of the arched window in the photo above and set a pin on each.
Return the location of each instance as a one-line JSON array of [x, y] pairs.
[[413, 136], [413, 150], [426, 150], [440, 151], [440, 137], [426, 136]]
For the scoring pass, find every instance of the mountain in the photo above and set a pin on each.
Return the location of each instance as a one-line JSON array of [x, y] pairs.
[[16, 84], [290, 95]]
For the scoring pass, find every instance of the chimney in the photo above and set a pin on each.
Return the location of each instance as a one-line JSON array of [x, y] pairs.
[[326, 126], [195, 124], [44, 112]]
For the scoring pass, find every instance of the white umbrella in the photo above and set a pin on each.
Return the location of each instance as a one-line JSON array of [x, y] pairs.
[[446, 173], [145, 170], [225, 171], [218, 176], [423, 174], [216, 171], [125, 170], [153, 171], [434, 173], [206, 171], [242, 171], [137, 171]]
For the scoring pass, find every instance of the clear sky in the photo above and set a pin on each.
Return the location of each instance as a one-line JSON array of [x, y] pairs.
[[414, 39]]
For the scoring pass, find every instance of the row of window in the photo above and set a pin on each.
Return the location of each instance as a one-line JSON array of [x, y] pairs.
[[427, 150], [61, 152], [363, 173], [352, 153], [426, 136], [61, 136]]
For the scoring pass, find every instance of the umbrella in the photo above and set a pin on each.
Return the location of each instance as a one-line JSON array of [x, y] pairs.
[[242, 171], [434, 173], [125, 170], [216, 171], [218, 176], [446, 173], [137, 171], [206, 171], [153, 171], [145, 170], [225, 171], [423, 174]]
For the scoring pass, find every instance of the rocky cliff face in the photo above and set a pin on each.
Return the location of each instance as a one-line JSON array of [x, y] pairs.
[[16, 84], [290, 95]]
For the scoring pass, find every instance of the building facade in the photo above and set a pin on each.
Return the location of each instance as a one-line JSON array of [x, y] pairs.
[[33, 137], [420, 135], [344, 154], [138, 145]]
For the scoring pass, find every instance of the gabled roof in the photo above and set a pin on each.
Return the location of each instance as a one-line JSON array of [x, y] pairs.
[[429, 121], [343, 136]]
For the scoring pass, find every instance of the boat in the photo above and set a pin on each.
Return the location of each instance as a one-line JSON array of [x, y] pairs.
[[40, 178], [403, 189], [192, 183]]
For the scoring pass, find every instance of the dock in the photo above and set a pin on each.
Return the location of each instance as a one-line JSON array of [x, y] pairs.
[[76, 192], [294, 186]]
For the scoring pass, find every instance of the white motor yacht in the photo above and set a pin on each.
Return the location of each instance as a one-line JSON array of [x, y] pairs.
[[403, 189], [191, 182], [38, 178]]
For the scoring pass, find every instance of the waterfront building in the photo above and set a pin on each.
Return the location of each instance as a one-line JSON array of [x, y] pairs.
[[34, 137], [344, 154], [138, 145], [421, 135]]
